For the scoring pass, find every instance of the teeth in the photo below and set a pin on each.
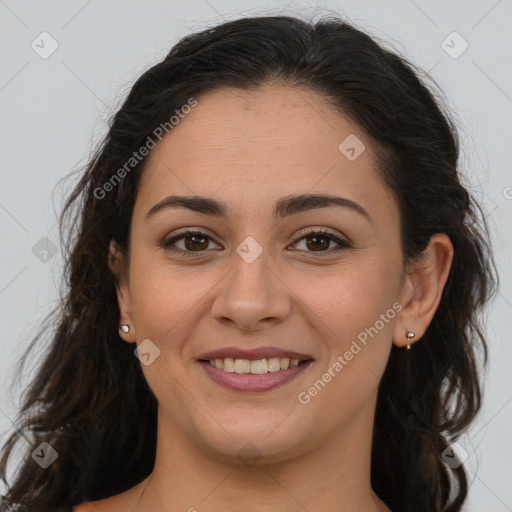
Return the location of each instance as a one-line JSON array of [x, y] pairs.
[[229, 365], [255, 367], [259, 366], [273, 364], [242, 366]]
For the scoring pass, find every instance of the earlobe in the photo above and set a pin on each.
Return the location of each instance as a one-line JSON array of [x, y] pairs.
[[117, 265], [423, 289]]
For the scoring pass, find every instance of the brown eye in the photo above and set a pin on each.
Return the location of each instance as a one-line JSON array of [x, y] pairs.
[[320, 240], [191, 242], [196, 242]]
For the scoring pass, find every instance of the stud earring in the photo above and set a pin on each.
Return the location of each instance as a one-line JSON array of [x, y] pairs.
[[410, 335], [125, 328]]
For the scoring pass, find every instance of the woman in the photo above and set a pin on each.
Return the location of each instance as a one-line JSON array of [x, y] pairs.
[[274, 289]]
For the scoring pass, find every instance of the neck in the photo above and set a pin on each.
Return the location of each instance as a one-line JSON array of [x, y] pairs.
[[334, 476]]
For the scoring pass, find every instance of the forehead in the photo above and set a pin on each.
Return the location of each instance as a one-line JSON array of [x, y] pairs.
[[263, 144], [231, 121]]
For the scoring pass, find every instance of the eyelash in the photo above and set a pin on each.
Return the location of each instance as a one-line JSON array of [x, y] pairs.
[[168, 244]]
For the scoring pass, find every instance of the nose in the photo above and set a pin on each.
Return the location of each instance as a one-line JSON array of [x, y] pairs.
[[252, 295]]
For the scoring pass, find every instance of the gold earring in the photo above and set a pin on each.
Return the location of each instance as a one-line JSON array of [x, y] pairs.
[[410, 335], [125, 328]]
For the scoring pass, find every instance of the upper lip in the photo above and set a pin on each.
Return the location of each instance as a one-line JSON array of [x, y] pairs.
[[254, 353]]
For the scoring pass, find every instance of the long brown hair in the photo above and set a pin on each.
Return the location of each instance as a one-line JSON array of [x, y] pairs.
[[90, 381]]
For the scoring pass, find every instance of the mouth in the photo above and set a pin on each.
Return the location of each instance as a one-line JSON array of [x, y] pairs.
[[256, 370], [255, 366]]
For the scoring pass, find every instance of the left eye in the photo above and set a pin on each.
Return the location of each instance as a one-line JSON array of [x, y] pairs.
[[197, 242], [321, 239]]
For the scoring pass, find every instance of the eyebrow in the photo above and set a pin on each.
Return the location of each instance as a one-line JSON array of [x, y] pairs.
[[284, 207]]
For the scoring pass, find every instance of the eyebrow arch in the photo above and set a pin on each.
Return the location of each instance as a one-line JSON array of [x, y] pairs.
[[284, 207]]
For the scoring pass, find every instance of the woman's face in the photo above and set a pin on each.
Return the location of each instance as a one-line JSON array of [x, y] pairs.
[[256, 278]]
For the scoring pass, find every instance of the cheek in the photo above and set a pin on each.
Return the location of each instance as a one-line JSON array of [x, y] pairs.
[[359, 344], [165, 300], [349, 298], [359, 308]]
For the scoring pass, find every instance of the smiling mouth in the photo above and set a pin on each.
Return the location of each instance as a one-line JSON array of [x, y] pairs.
[[254, 375], [254, 366]]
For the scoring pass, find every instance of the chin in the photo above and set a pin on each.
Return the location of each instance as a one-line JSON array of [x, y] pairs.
[[254, 442]]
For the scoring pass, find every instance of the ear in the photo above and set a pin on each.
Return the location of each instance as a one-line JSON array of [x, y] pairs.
[[118, 265], [422, 289]]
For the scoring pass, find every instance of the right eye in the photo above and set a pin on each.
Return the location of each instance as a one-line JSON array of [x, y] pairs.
[[193, 241]]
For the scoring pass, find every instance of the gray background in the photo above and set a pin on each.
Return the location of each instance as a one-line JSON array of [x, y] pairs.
[[54, 109]]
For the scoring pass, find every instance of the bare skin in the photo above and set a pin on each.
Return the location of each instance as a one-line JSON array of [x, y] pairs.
[[248, 149]]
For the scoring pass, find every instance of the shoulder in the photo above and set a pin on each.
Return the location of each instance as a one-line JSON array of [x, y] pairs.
[[86, 506], [120, 502], [103, 505]]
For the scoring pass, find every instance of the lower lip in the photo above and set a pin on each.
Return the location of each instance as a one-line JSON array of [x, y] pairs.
[[251, 382]]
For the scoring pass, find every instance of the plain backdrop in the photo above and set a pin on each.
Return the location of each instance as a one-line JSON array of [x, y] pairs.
[[67, 65]]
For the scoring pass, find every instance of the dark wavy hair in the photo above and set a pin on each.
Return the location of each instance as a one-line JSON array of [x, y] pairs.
[[89, 380]]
